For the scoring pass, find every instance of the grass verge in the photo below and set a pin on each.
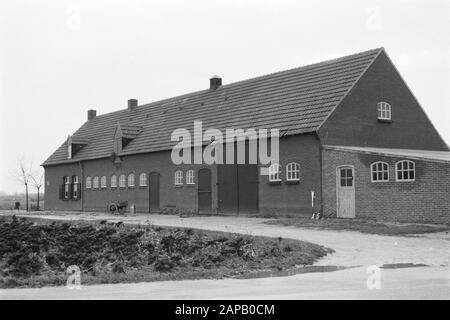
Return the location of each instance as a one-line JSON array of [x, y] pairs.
[[364, 226]]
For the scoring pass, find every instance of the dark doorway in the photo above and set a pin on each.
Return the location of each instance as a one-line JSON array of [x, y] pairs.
[[204, 191], [154, 192]]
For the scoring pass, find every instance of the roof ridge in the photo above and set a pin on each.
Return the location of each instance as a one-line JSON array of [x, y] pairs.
[[315, 64]]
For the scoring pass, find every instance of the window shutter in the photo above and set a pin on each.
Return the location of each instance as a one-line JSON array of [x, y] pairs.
[[71, 191], [61, 191], [79, 191]]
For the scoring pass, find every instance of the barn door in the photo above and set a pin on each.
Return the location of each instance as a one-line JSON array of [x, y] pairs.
[[204, 191], [154, 192], [247, 188], [345, 185], [227, 188]]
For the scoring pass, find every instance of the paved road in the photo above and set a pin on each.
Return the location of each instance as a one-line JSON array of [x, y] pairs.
[[352, 249], [410, 283]]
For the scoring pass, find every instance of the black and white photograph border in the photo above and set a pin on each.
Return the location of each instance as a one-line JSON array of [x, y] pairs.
[[225, 150]]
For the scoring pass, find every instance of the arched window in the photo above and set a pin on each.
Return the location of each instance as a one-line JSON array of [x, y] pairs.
[[405, 170], [190, 177], [103, 182], [113, 181], [88, 182], [379, 171], [274, 172], [95, 183], [293, 171], [178, 178], [131, 180], [143, 180], [384, 111], [122, 181]]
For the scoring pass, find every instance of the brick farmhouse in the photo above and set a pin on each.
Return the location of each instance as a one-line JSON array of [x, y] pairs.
[[354, 142]]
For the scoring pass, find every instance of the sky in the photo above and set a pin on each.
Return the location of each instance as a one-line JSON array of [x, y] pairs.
[[60, 58]]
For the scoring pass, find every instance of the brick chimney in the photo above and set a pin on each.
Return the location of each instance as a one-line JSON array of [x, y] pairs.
[[92, 114], [132, 104], [215, 82]]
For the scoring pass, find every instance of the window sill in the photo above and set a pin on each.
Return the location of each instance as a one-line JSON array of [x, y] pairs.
[[292, 182], [190, 185], [384, 120], [274, 183]]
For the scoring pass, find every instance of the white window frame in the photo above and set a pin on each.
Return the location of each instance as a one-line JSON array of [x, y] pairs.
[[190, 177], [122, 181], [75, 187], [374, 170], [66, 187], [178, 178], [113, 181], [384, 110], [275, 172], [403, 169], [95, 184], [130, 180], [143, 180], [88, 182], [293, 171], [103, 182]]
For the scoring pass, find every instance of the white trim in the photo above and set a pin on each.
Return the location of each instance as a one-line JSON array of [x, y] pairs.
[[103, 182], [295, 171], [113, 185], [143, 179], [274, 173], [88, 183], [384, 111], [190, 177], [130, 180], [178, 175], [382, 171], [405, 170]]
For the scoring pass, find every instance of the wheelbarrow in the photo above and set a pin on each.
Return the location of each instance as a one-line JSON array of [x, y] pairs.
[[117, 207]]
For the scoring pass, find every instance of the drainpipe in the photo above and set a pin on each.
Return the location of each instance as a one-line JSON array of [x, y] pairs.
[[81, 184], [321, 172]]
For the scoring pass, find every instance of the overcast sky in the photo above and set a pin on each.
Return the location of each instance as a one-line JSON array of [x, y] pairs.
[[60, 58]]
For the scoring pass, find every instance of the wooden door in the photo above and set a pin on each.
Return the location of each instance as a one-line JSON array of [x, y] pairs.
[[345, 185], [204, 191], [154, 192], [227, 188], [247, 188]]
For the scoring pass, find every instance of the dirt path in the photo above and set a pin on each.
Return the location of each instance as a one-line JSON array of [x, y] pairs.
[[352, 248]]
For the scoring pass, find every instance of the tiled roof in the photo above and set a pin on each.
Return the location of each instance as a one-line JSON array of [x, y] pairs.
[[440, 156], [295, 101]]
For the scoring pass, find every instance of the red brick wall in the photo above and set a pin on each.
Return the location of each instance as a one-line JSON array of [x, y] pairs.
[[424, 200], [97, 199], [294, 199], [283, 198], [355, 123]]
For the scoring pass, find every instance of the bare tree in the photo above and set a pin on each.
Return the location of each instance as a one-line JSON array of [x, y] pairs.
[[37, 180], [24, 176]]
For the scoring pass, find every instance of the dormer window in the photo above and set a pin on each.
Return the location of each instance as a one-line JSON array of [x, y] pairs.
[[384, 111], [123, 135], [69, 151], [75, 144]]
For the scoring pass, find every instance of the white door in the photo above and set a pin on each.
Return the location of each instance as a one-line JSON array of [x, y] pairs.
[[345, 185]]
